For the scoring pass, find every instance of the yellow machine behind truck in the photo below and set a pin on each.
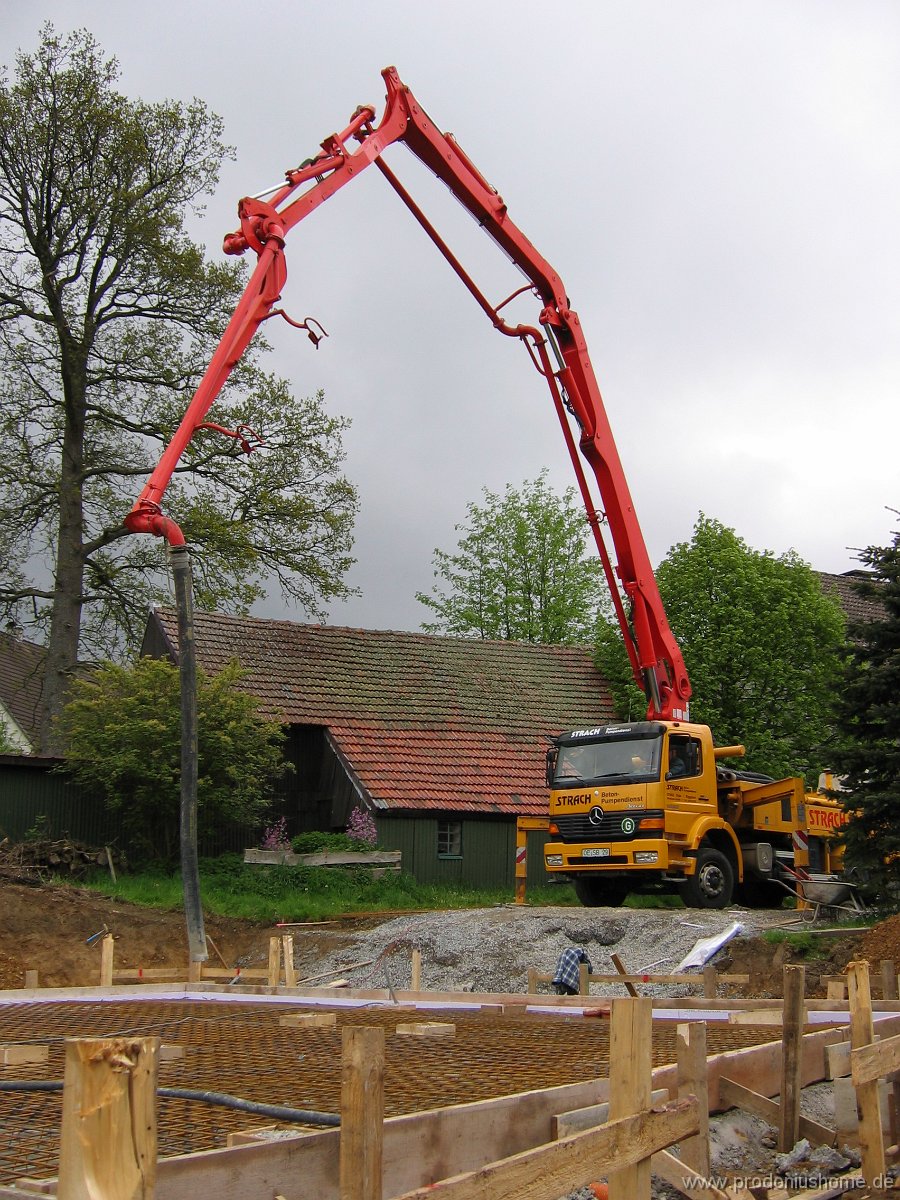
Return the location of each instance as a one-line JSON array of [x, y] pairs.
[[650, 805]]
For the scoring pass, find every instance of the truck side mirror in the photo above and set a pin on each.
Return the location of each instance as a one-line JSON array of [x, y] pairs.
[[551, 765]]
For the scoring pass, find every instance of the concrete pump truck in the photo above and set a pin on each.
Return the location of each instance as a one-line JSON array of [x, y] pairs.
[[634, 804]]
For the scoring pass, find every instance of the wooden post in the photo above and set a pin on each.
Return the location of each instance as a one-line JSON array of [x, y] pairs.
[[862, 1033], [710, 984], [362, 1113], [107, 954], [108, 1137], [791, 1058], [888, 980], [836, 989], [195, 970], [31, 979], [584, 983], [416, 969], [274, 962], [690, 1043], [287, 949], [521, 862], [630, 1063], [532, 980]]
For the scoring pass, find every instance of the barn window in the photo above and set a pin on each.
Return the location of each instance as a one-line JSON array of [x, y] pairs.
[[449, 843]]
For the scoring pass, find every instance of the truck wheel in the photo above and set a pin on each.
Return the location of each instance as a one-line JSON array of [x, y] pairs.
[[712, 883], [600, 893]]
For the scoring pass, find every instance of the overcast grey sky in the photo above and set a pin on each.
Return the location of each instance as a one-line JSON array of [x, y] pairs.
[[717, 183]]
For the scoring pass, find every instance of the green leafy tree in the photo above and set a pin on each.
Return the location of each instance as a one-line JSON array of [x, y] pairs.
[[867, 757], [521, 570], [122, 738], [762, 643], [108, 314]]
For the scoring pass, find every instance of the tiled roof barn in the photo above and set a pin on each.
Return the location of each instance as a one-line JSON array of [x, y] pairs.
[[421, 722]]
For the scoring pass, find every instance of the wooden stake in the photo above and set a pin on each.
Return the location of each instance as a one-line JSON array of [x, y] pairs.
[[629, 987], [108, 1136], [888, 980], [862, 1033], [362, 1113], [31, 979], [792, 1058], [195, 970], [710, 984], [690, 1043], [287, 950], [415, 984], [630, 1065], [107, 954], [274, 962]]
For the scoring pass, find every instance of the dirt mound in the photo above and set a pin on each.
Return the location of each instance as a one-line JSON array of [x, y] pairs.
[[882, 941], [47, 929]]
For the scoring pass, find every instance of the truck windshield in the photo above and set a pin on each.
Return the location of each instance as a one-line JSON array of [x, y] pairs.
[[629, 760]]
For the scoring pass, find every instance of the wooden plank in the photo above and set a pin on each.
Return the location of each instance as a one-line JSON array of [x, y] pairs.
[[735, 1095], [547, 1172], [876, 1061], [756, 1016], [862, 1033], [837, 1060], [630, 1069], [690, 1047], [362, 1113], [689, 1182], [579, 1119], [426, 1029], [308, 1020], [19, 1054], [791, 1083], [672, 979], [415, 984], [108, 1143]]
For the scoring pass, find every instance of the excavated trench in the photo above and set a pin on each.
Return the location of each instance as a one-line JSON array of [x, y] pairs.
[[242, 1050]]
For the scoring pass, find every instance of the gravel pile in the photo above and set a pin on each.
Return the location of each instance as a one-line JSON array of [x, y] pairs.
[[491, 949]]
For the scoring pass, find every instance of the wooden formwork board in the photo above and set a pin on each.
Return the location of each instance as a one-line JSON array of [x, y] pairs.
[[461, 1137]]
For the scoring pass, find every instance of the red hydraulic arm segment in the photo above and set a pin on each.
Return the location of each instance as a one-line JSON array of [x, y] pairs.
[[655, 657]]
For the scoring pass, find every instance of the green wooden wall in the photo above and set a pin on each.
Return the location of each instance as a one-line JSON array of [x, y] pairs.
[[488, 850]]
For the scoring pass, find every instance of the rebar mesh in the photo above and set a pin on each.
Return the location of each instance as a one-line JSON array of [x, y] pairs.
[[241, 1049]]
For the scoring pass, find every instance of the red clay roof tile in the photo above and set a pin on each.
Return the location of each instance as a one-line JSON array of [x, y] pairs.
[[448, 724]]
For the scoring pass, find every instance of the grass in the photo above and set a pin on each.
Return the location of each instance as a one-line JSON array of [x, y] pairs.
[[229, 888]]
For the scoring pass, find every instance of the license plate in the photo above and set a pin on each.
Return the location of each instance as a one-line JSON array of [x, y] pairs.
[[596, 852]]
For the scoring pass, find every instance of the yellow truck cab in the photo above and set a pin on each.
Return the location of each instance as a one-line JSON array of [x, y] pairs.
[[648, 805]]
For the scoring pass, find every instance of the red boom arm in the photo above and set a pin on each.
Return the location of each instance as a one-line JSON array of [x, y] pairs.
[[655, 657]]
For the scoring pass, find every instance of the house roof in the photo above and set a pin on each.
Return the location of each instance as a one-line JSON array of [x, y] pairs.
[[857, 608], [21, 683], [424, 722]]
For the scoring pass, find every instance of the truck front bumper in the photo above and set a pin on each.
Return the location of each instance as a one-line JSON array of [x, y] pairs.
[[644, 854]]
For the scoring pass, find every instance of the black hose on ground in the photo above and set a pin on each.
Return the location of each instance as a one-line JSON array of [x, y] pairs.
[[187, 664], [277, 1112]]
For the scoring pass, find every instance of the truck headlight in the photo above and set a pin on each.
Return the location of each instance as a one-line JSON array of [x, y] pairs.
[[646, 856], [554, 860]]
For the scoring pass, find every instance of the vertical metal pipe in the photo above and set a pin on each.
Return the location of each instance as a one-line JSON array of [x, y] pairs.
[[187, 661]]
